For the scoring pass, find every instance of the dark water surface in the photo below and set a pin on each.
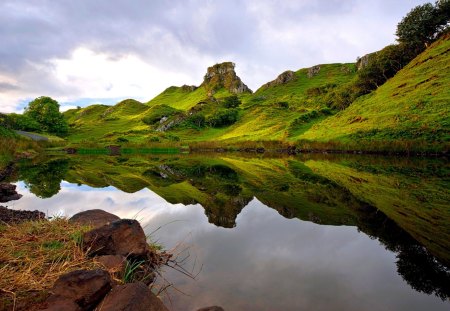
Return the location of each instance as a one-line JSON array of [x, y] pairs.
[[291, 233]]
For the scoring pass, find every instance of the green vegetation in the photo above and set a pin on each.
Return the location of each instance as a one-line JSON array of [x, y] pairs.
[[411, 108]]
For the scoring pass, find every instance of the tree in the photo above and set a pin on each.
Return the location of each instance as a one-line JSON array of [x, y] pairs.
[[45, 111], [231, 102], [423, 24]]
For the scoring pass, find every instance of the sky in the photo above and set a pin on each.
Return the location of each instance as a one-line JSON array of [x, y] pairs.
[[102, 51]]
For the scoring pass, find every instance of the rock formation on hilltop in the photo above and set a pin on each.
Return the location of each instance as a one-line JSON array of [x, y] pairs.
[[223, 76], [283, 78]]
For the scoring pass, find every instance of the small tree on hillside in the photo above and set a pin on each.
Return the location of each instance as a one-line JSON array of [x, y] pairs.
[[423, 24], [45, 111]]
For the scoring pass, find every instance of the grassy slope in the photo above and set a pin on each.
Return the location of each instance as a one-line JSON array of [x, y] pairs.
[[262, 118], [413, 105], [411, 108]]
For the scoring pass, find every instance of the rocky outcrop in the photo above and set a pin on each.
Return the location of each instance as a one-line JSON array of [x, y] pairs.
[[95, 218], [223, 76], [132, 297], [122, 237], [117, 244], [363, 61], [313, 71], [188, 88], [283, 78], [79, 290], [8, 193]]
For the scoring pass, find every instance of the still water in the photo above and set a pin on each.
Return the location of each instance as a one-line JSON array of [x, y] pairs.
[[327, 233]]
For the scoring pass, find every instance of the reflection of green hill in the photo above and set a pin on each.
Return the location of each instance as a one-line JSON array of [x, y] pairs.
[[407, 194], [396, 201], [223, 185]]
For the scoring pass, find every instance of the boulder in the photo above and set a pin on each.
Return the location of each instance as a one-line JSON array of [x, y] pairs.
[[94, 217], [60, 304], [112, 262], [122, 237], [213, 308], [132, 297], [84, 288], [10, 216]]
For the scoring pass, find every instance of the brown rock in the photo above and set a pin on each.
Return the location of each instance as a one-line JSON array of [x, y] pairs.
[[122, 237], [60, 304], [85, 288], [10, 216], [94, 217], [112, 262], [213, 308], [131, 297], [283, 78]]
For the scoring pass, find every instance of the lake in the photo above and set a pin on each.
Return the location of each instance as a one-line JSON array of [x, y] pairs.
[[307, 232]]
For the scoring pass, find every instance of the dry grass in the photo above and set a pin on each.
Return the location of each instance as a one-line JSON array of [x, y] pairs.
[[34, 254]]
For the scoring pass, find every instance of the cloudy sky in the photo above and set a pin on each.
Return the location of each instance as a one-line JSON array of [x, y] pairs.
[[101, 51]]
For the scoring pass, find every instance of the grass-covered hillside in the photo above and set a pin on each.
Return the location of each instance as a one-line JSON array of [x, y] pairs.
[[409, 111], [280, 110], [412, 106]]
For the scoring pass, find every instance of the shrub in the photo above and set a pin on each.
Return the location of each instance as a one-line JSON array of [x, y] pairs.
[[223, 118], [231, 102], [197, 120]]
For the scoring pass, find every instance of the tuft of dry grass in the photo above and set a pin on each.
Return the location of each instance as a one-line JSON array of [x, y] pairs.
[[34, 254]]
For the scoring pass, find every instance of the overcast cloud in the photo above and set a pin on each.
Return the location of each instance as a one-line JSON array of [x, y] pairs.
[[90, 51]]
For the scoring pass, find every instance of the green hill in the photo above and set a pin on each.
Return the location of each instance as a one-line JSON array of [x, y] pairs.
[[413, 106], [410, 110]]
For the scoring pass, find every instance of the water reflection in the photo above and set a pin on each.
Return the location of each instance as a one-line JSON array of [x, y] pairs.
[[266, 261]]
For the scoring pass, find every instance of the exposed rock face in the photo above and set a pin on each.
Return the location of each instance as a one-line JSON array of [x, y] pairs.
[[82, 288], [283, 78], [363, 61], [223, 76], [313, 71], [188, 88], [132, 297], [8, 193], [94, 217], [122, 237]]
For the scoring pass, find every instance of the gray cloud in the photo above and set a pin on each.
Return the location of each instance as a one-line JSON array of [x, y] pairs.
[[264, 38]]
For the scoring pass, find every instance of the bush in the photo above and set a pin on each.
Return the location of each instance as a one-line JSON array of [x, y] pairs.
[[231, 102], [196, 120], [23, 123], [223, 118]]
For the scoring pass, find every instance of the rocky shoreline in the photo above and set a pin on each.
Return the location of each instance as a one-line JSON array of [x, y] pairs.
[[115, 245]]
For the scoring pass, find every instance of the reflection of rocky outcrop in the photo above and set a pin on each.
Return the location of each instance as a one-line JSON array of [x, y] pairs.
[[224, 213], [223, 76]]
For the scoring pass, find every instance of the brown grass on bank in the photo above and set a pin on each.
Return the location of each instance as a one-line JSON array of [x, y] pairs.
[[34, 254]]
